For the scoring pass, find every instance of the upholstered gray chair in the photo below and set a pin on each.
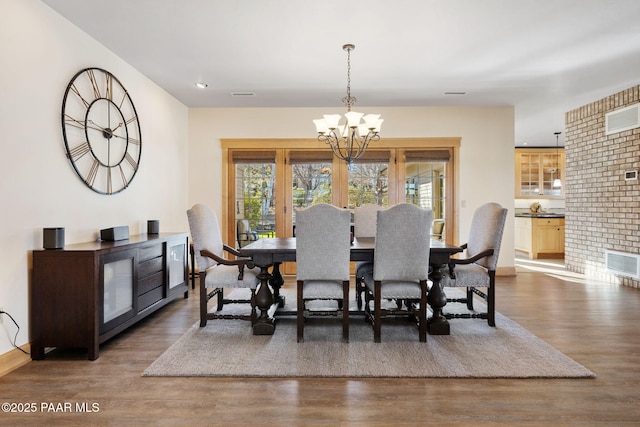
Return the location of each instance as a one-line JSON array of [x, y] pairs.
[[215, 271], [364, 225], [244, 233], [323, 245], [478, 270], [400, 266]]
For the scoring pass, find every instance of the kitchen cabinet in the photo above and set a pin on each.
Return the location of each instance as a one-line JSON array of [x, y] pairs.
[[540, 237], [536, 169], [86, 293]]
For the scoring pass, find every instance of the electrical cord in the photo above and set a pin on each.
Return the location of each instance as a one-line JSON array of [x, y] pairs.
[[15, 338]]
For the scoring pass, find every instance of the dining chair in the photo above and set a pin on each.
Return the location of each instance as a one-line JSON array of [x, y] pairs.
[[400, 266], [215, 271], [323, 245], [478, 269], [244, 233], [364, 225], [437, 229]]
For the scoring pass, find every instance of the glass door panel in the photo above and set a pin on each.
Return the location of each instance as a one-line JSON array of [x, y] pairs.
[[177, 265], [255, 196], [368, 184], [426, 178], [530, 174], [550, 171], [311, 184], [118, 288]]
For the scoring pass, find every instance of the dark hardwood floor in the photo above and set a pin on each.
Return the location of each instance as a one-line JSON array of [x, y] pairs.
[[595, 324]]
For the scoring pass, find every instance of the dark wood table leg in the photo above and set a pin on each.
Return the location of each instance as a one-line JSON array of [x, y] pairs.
[[264, 324], [276, 283], [437, 323]]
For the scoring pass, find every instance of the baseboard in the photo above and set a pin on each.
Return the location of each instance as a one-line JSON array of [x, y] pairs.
[[506, 271], [14, 359]]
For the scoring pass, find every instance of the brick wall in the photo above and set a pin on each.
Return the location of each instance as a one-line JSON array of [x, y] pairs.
[[602, 209]]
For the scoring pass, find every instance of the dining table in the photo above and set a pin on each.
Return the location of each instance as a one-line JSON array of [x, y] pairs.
[[270, 253]]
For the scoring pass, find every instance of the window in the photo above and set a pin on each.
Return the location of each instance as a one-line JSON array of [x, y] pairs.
[[268, 185]]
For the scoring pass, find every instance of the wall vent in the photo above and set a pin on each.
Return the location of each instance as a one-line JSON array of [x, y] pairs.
[[622, 264], [622, 119]]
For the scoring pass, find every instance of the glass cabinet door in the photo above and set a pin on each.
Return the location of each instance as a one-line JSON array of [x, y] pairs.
[[177, 262], [539, 173], [530, 174], [118, 288]]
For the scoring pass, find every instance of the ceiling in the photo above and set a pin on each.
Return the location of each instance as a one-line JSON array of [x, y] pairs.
[[544, 57]]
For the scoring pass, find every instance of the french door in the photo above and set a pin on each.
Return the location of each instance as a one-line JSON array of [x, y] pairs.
[[268, 186]]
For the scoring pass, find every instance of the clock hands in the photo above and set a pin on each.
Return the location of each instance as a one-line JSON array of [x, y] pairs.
[[106, 132]]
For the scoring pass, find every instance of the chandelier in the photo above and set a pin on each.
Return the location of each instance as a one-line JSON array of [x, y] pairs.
[[349, 139]]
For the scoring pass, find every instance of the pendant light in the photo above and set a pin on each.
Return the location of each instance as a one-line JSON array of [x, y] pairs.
[[557, 183]]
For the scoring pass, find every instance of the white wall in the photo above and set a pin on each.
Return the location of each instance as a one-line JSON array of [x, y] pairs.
[[486, 152], [41, 52]]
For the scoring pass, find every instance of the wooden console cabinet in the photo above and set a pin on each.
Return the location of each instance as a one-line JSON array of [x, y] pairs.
[[86, 293]]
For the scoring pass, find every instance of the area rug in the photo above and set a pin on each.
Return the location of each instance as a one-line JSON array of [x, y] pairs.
[[227, 348]]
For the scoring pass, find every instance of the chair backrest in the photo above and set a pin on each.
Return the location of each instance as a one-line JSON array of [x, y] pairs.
[[323, 243], [486, 231], [402, 243], [242, 232], [437, 228], [205, 234], [364, 220]]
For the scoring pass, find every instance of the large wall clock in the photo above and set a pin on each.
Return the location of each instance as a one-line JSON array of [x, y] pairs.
[[101, 131]]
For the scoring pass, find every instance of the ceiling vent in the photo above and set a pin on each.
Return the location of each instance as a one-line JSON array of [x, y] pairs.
[[622, 264], [623, 119]]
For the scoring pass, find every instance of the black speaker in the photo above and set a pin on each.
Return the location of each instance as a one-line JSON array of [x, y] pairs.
[[153, 226], [115, 233], [53, 238]]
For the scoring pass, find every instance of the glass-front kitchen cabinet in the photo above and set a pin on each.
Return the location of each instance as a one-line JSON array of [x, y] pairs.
[[538, 171]]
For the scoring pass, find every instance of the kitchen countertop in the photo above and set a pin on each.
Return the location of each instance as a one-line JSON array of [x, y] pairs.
[[539, 215]]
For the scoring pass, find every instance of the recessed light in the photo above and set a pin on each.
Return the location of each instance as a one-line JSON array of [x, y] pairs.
[[455, 93], [201, 85], [243, 94]]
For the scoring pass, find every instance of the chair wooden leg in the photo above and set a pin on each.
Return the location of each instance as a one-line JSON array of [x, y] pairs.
[[220, 299], [359, 291], [345, 311], [491, 299], [423, 311], [203, 301], [300, 313], [469, 299], [377, 308]]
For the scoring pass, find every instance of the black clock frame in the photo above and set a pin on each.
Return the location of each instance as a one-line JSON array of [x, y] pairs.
[[89, 96]]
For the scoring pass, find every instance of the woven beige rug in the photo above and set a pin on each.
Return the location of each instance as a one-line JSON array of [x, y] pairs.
[[227, 348]]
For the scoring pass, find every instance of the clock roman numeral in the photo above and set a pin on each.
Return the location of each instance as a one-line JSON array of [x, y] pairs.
[[93, 172], [79, 150], [125, 95], [109, 186], [123, 176], [109, 93], [131, 160], [77, 92], [131, 120], [73, 122], [94, 84]]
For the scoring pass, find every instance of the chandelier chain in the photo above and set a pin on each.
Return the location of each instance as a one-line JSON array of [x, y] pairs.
[[349, 100]]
